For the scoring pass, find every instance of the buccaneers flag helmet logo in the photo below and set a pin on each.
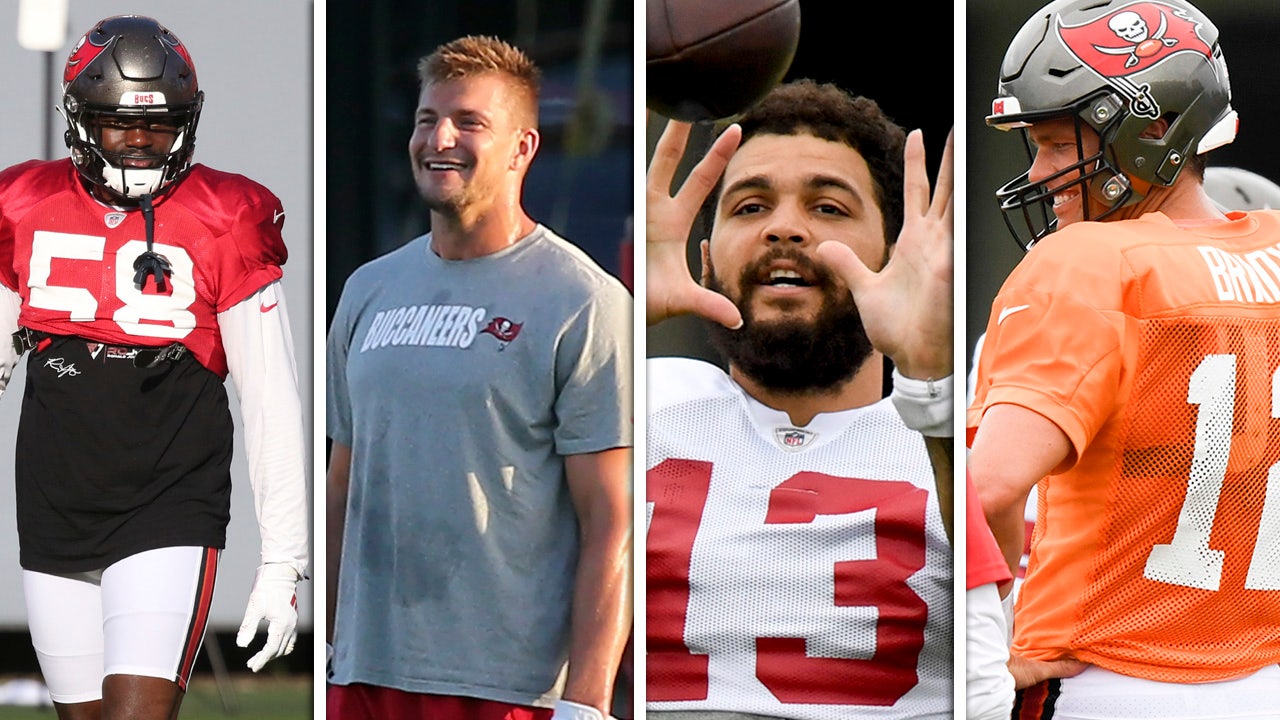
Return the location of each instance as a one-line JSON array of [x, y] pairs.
[[1122, 44], [503, 329], [82, 54]]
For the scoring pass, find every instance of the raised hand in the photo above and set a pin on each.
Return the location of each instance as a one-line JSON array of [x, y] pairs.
[[670, 288], [907, 306]]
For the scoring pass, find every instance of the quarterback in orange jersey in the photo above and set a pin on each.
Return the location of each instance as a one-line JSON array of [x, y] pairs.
[[136, 283], [1127, 374], [798, 561]]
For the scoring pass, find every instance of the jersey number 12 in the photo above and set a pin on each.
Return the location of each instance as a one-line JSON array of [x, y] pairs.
[[1187, 559]]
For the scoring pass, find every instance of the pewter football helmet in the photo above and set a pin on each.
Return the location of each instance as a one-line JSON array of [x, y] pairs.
[[1115, 68], [130, 69]]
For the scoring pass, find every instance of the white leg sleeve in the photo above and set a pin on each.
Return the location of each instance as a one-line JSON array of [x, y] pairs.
[[155, 606], [64, 615]]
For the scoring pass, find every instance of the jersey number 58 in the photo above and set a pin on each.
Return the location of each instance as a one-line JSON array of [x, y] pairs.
[[167, 315]]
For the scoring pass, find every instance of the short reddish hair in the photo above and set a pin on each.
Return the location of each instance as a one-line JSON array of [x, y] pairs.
[[480, 54]]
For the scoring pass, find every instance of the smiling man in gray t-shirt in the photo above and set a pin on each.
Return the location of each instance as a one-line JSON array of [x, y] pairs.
[[479, 403]]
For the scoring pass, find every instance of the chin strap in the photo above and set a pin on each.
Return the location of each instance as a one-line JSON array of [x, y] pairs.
[[150, 262]]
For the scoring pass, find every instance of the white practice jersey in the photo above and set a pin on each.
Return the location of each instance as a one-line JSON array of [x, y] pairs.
[[792, 572]]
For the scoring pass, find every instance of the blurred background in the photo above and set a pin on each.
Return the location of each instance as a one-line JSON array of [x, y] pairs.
[[1247, 36], [580, 184], [909, 75], [253, 61]]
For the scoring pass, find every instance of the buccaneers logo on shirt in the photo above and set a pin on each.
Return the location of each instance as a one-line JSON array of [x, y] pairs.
[[503, 329], [1121, 45]]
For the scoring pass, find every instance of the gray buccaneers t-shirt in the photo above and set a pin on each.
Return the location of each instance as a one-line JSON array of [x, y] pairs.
[[459, 386]]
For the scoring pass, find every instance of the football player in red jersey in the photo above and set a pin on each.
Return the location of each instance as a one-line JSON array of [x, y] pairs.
[[798, 562], [136, 282], [989, 684], [1127, 374]]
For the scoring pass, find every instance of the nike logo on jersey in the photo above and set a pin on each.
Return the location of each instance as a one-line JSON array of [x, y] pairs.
[[1252, 277], [1009, 311], [276, 218], [268, 308]]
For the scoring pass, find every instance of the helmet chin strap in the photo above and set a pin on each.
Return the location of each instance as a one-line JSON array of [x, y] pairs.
[[150, 262]]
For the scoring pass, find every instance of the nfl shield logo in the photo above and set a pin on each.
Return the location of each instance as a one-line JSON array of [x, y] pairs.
[[791, 438]]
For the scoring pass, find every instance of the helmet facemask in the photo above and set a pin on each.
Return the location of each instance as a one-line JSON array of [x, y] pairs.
[[1027, 206], [117, 172]]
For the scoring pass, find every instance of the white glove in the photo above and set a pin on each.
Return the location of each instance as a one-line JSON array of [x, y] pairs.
[[275, 599], [569, 710]]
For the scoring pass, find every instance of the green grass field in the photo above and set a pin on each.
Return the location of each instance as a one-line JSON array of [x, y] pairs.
[[247, 697]]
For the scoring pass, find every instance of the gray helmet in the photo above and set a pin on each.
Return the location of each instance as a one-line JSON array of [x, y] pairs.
[[130, 69], [1233, 188], [1114, 67]]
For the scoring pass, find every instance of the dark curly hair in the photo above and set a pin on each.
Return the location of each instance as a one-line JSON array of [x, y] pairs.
[[828, 112]]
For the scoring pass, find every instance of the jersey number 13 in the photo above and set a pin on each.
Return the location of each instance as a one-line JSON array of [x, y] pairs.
[[783, 664]]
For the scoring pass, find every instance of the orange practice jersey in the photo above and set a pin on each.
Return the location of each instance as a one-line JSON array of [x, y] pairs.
[[1156, 350]]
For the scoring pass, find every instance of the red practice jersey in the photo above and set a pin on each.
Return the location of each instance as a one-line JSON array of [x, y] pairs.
[[792, 572], [984, 563], [71, 258], [1156, 350]]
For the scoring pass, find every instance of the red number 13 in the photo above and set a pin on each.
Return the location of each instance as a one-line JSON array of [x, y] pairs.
[[678, 492]]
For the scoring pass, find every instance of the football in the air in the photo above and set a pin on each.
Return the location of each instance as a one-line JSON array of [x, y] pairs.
[[711, 59]]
